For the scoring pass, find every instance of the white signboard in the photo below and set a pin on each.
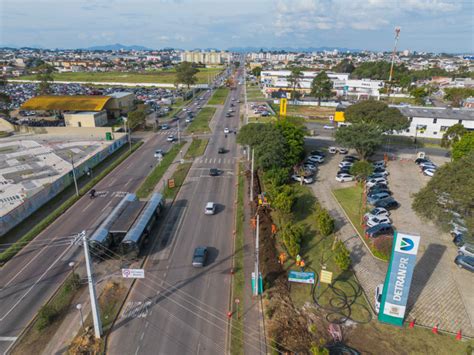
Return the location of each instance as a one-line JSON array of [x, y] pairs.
[[133, 273]]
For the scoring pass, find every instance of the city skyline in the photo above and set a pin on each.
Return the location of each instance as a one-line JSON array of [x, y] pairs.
[[426, 25]]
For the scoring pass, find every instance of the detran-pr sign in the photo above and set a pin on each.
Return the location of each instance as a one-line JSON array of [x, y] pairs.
[[398, 279]]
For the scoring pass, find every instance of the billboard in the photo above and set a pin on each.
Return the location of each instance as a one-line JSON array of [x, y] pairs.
[[398, 279], [301, 277]]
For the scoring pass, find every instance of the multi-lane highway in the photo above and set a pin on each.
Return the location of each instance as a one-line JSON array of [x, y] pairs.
[[185, 307], [32, 276]]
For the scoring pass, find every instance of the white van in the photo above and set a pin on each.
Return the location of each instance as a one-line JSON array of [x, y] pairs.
[[210, 208]]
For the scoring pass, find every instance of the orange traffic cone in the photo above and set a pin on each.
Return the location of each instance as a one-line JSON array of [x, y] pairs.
[[435, 329], [412, 324], [459, 335]]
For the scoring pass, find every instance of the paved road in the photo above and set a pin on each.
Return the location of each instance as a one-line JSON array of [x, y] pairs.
[[183, 309], [31, 277]]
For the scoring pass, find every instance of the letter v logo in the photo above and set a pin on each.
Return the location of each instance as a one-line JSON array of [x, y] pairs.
[[406, 244]]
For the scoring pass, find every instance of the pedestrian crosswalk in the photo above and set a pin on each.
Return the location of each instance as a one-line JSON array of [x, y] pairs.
[[217, 161], [136, 309]]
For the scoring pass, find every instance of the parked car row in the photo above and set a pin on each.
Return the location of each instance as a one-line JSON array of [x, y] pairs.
[[261, 110], [427, 167], [305, 173], [344, 173]]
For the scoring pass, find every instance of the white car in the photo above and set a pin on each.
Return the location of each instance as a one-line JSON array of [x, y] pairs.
[[332, 150], [344, 164], [159, 153], [378, 297], [310, 167], [373, 182], [373, 221], [316, 158], [342, 150], [429, 172], [377, 212], [344, 177], [326, 126], [188, 120], [306, 179], [226, 130], [170, 138], [210, 208]]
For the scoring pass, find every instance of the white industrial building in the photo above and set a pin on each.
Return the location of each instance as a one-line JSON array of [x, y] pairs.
[[276, 80], [433, 122]]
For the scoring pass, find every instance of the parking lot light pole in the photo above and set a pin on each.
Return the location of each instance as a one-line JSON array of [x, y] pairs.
[[79, 308]]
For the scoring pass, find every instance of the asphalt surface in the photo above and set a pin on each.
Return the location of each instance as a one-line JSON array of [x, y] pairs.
[[182, 309], [32, 276]]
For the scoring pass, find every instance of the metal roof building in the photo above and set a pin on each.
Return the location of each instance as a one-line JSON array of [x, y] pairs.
[[66, 103]]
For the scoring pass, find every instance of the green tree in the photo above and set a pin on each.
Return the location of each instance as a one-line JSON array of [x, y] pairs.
[[419, 94], [324, 222], [276, 176], [456, 95], [294, 80], [450, 189], [321, 87], [136, 118], [44, 74], [342, 256], [362, 169], [292, 235], [344, 66], [365, 139], [294, 137], [284, 199], [452, 135], [377, 114], [5, 99], [186, 74], [464, 146], [257, 71]]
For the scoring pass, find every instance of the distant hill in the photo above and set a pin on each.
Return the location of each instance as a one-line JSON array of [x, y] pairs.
[[289, 49], [117, 47]]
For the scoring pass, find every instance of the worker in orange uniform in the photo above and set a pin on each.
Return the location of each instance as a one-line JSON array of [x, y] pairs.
[[298, 260], [282, 258], [302, 265]]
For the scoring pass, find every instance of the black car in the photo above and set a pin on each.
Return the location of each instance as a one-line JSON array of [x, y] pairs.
[[378, 170], [422, 160], [377, 190], [458, 239], [200, 257], [465, 262], [377, 186], [214, 172], [350, 158], [378, 230], [228, 114], [221, 150], [317, 152], [344, 171], [388, 203]]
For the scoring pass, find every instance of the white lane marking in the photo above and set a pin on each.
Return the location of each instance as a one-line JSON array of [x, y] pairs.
[[138, 348], [219, 161], [141, 336], [34, 284], [8, 338], [129, 181], [146, 325], [85, 208], [112, 181], [107, 205]]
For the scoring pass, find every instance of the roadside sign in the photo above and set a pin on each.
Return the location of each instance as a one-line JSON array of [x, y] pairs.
[[326, 276], [237, 301], [171, 183], [331, 118], [133, 273], [301, 277]]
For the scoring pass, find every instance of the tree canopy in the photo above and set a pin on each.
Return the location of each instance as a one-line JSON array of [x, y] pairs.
[[186, 74], [464, 146], [257, 71], [378, 114], [456, 95], [452, 135], [419, 94], [362, 169], [365, 139], [44, 74], [321, 87], [450, 190], [344, 66], [294, 79]]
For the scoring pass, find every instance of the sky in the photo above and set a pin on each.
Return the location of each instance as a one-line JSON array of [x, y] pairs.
[[426, 25]]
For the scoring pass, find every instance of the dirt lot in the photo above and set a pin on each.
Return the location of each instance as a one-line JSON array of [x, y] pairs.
[[441, 293]]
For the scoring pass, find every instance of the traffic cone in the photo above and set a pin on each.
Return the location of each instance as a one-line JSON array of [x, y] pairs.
[[435, 329], [459, 335], [229, 314], [412, 324]]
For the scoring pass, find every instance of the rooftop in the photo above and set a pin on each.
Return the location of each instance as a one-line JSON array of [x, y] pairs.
[[437, 112], [66, 103]]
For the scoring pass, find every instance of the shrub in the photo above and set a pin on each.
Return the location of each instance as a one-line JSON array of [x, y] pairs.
[[324, 222], [383, 245], [46, 316], [291, 235], [342, 256], [284, 199]]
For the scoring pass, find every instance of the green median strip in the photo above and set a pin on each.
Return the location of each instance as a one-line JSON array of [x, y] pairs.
[[37, 229], [201, 123], [237, 329], [196, 148], [219, 97], [147, 187], [178, 177]]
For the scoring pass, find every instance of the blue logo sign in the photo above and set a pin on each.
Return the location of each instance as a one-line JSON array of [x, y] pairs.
[[406, 244]]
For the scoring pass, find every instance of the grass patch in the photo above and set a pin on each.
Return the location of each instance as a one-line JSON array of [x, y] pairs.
[[350, 199], [10, 252], [196, 148], [179, 175], [147, 186], [219, 96], [317, 251], [238, 284], [254, 93], [267, 119], [49, 318], [201, 123], [156, 76]]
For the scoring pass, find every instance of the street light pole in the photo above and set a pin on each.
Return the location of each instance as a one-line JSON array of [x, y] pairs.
[[256, 256], [79, 308], [74, 174]]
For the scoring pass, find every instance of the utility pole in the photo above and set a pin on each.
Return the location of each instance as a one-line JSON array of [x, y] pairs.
[[129, 137], [397, 36], [92, 293], [257, 278], [74, 174], [179, 135], [251, 176]]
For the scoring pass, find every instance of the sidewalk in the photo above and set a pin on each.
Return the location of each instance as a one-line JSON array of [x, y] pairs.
[[254, 331], [71, 324]]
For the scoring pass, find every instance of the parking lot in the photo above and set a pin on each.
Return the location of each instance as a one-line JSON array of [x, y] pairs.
[[441, 293]]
